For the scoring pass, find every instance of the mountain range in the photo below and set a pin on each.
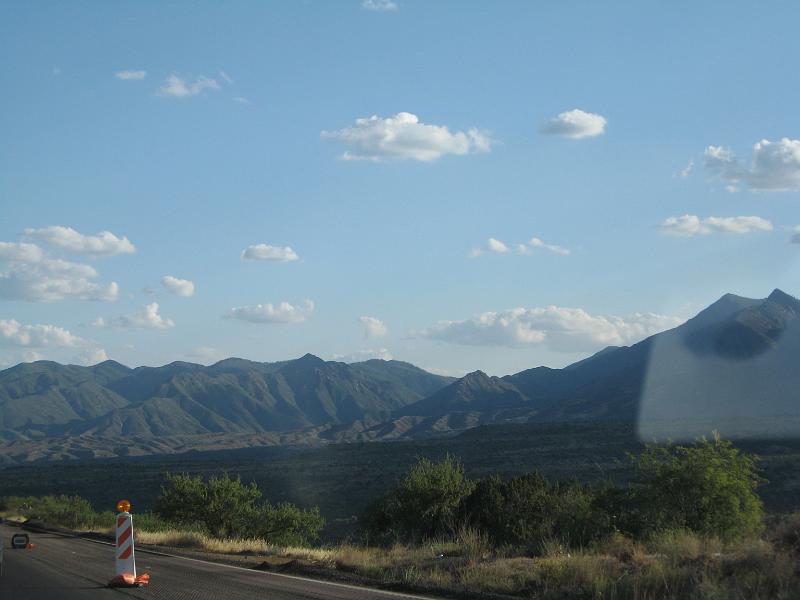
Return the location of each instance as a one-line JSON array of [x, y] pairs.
[[738, 358]]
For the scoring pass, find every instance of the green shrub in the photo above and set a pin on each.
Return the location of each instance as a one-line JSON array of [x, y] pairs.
[[287, 525], [707, 488], [423, 504], [530, 512], [225, 507]]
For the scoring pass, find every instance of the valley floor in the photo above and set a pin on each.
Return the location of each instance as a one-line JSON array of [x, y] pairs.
[[343, 478]]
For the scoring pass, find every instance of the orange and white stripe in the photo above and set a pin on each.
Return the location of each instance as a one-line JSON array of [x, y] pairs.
[[126, 563]]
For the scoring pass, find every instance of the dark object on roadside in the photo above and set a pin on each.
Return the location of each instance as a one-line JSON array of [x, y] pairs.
[[20, 541]]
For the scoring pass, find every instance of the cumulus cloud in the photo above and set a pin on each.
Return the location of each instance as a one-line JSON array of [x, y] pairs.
[[554, 248], [373, 327], [177, 87], [774, 166], [146, 318], [267, 252], [204, 354], [269, 313], [130, 75], [378, 5], [404, 137], [692, 225], [15, 252], [92, 356], [575, 124], [104, 243], [557, 328], [686, 171], [494, 246], [14, 333], [33, 276], [360, 355], [179, 287], [25, 342]]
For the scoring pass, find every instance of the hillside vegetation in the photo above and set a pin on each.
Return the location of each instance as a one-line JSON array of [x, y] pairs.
[[737, 358], [689, 524]]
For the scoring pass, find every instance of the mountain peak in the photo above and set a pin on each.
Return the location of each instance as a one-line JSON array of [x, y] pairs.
[[309, 359], [110, 363], [476, 375], [782, 298]]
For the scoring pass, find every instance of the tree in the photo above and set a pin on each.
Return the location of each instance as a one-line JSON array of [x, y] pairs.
[[423, 504], [226, 507], [529, 510], [709, 487], [288, 525]]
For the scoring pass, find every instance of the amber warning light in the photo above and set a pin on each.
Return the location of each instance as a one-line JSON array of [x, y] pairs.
[[123, 506]]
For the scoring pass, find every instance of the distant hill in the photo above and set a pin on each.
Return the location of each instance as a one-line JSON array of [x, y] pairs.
[[737, 361], [738, 358], [233, 396]]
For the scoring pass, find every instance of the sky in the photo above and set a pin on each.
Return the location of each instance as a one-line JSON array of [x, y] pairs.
[[460, 185]]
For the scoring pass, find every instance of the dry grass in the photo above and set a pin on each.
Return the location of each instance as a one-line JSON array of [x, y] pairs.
[[674, 566]]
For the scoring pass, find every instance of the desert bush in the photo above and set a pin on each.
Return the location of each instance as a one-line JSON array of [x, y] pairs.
[[708, 488], [529, 511], [225, 507], [423, 504], [72, 512], [287, 525], [785, 531]]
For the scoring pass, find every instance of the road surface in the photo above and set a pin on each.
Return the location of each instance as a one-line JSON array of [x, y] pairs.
[[67, 568]]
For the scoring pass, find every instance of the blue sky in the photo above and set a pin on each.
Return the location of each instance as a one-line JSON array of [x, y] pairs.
[[631, 161]]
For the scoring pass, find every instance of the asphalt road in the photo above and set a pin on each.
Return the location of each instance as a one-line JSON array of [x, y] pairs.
[[72, 569]]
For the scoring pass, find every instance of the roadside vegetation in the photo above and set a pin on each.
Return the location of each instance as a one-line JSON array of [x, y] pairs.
[[689, 524]]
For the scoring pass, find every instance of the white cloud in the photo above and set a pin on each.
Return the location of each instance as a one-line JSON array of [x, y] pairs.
[[12, 332], [179, 287], [225, 76], [267, 252], [130, 75], [402, 136], [378, 5], [555, 249], [204, 354], [774, 166], [575, 124], [268, 313], [176, 87], [795, 239], [560, 329], [32, 338], [104, 243], [691, 225], [92, 356], [373, 327], [32, 276], [492, 246], [14, 252], [686, 171], [146, 318], [361, 355], [240, 100]]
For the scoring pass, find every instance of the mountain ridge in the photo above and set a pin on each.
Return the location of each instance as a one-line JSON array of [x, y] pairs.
[[737, 358]]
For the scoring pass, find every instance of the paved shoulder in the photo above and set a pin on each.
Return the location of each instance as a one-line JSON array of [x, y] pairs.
[[71, 568]]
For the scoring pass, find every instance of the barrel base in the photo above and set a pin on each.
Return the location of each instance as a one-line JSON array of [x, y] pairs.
[[128, 580]]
